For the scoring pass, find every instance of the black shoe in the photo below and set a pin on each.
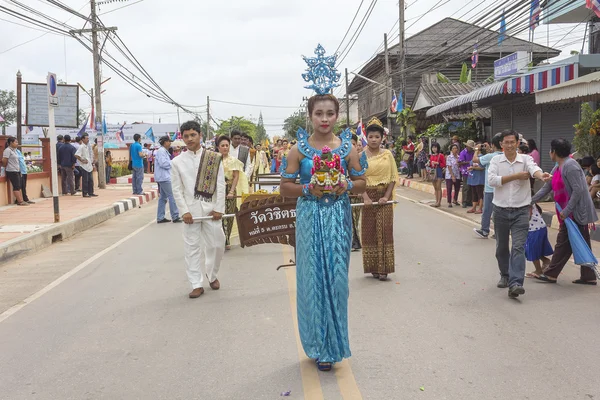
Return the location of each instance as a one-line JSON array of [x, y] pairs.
[[465, 205], [162, 221], [86, 195], [177, 220], [480, 233], [503, 282], [93, 195], [515, 291]]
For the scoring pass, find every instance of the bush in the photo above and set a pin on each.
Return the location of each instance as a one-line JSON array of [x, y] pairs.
[[119, 170], [587, 133]]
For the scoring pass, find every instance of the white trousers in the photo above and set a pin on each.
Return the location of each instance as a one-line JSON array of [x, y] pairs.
[[204, 246]]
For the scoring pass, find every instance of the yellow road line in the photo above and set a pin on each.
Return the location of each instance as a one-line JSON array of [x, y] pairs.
[[308, 370]]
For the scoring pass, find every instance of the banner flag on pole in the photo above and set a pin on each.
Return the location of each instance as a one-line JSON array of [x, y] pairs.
[[83, 129], [150, 134], [394, 105], [475, 57], [502, 35], [534, 14]]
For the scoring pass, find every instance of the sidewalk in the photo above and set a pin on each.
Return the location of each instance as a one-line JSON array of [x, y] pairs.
[[548, 211], [27, 229], [421, 197]]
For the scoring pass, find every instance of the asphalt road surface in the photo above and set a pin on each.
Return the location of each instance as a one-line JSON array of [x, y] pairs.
[[106, 316]]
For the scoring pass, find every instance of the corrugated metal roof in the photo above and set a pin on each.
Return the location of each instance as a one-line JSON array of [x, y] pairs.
[[493, 89], [584, 88]]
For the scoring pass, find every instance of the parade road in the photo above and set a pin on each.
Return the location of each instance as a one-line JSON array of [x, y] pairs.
[[106, 315]]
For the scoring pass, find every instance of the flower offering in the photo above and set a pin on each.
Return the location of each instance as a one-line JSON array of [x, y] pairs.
[[327, 171]]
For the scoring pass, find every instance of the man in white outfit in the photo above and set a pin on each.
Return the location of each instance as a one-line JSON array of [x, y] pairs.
[[198, 181]]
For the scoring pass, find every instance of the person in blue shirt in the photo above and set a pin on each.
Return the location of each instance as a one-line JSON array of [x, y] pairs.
[[488, 195], [23, 169], [162, 176], [137, 163]]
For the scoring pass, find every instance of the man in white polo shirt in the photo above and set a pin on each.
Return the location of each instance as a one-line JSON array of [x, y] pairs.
[[509, 175]]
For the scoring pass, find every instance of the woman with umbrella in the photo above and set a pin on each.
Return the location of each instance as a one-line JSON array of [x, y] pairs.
[[573, 202]]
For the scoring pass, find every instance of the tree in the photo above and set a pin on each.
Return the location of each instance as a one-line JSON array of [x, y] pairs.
[[239, 123], [8, 108], [407, 120], [82, 116], [293, 123], [261, 132]]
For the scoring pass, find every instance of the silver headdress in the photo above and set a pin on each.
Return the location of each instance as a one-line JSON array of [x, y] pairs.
[[321, 72]]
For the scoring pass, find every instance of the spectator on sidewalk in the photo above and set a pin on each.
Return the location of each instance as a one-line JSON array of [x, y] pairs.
[[67, 160], [137, 162], [509, 175], [84, 155], [162, 175], [23, 167], [438, 163], [465, 158], [108, 161], [10, 162], [77, 170], [453, 176], [146, 151], [476, 181], [570, 192], [409, 156], [488, 195]]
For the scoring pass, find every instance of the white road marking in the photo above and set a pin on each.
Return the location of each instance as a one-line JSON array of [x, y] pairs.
[[17, 307]]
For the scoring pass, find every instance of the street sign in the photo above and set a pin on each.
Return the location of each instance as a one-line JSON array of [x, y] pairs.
[[37, 100], [511, 64], [52, 90]]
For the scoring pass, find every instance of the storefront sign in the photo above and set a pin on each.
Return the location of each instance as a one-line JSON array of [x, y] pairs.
[[268, 220], [511, 64]]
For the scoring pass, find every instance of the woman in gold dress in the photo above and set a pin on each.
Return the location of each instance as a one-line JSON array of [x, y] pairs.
[[237, 184], [378, 220]]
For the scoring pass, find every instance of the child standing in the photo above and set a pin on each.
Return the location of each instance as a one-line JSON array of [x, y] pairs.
[[537, 247]]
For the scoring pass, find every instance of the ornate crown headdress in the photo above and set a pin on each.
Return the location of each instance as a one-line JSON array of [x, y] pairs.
[[375, 121], [321, 72]]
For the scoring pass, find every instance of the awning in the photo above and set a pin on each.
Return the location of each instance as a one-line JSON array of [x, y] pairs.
[[527, 83], [584, 88]]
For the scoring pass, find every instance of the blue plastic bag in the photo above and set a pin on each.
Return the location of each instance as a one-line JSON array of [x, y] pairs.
[[582, 253]]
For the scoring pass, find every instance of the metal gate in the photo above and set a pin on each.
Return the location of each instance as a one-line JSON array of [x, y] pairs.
[[557, 122], [501, 118], [525, 119]]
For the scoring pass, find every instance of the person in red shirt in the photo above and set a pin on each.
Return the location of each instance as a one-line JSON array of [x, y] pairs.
[[409, 150], [437, 162]]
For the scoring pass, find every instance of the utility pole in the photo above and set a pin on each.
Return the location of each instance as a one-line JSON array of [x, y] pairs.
[[178, 120], [96, 50], [207, 117], [347, 101], [388, 94], [19, 108], [402, 53]]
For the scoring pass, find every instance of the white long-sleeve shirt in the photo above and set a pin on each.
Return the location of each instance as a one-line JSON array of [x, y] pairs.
[[184, 170], [513, 194], [249, 164]]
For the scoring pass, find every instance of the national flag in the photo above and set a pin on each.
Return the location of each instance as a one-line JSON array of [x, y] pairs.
[[83, 129], [534, 14], [394, 106], [475, 57], [120, 135], [150, 135], [360, 133], [502, 35], [593, 5]]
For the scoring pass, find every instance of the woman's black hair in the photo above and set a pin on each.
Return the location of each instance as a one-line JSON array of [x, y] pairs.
[[375, 128], [532, 145], [587, 161], [594, 169], [437, 146], [453, 145], [9, 141], [561, 147], [355, 137], [524, 148], [221, 138]]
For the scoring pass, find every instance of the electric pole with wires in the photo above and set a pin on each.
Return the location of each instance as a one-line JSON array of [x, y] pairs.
[[402, 52], [97, 59]]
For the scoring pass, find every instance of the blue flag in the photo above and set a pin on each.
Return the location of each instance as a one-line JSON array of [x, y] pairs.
[[82, 130], [502, 35], [150, 135], [400, 102], [173, 136], [104, 128]]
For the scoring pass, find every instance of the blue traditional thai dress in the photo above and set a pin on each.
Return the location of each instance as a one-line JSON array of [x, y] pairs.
[[323, 242]]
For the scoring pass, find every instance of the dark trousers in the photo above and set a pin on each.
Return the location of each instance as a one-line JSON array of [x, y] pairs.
[[449, 186], [24, 187], [563, 251], [410, 165], [467, 195], [78, 177], [87, 182], [68, 180]]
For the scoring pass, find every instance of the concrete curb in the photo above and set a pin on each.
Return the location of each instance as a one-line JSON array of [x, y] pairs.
[[550, 218], [38, 240], [124, 180]]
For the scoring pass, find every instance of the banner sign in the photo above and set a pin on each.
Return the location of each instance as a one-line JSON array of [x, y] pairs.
[[268, 220], [511, 64]]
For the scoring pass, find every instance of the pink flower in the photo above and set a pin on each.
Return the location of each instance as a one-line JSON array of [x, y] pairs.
[[325, 150], [331, 164]]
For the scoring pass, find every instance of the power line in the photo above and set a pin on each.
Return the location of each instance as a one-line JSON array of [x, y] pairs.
[[251, 105], [357, 33], [350, 27], [117, 9]]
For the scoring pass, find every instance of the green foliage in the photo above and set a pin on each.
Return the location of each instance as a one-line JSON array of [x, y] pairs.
[[119, 169], [407, 121], [436, 131], [293, 123], [442, 78], [587, 132], [468, 130], [8, 106], [240, 123], [464, 74]]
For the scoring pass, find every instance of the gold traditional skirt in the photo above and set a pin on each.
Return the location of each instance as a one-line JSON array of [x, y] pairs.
[[378, 234]]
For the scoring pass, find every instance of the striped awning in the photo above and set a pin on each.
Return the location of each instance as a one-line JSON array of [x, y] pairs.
[[526, 83], [585, 88]]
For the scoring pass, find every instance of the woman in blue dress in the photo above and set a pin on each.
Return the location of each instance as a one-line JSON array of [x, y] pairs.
[[323, 234]]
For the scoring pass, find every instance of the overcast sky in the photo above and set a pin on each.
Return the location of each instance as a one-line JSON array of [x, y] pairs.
[[236, 50]]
